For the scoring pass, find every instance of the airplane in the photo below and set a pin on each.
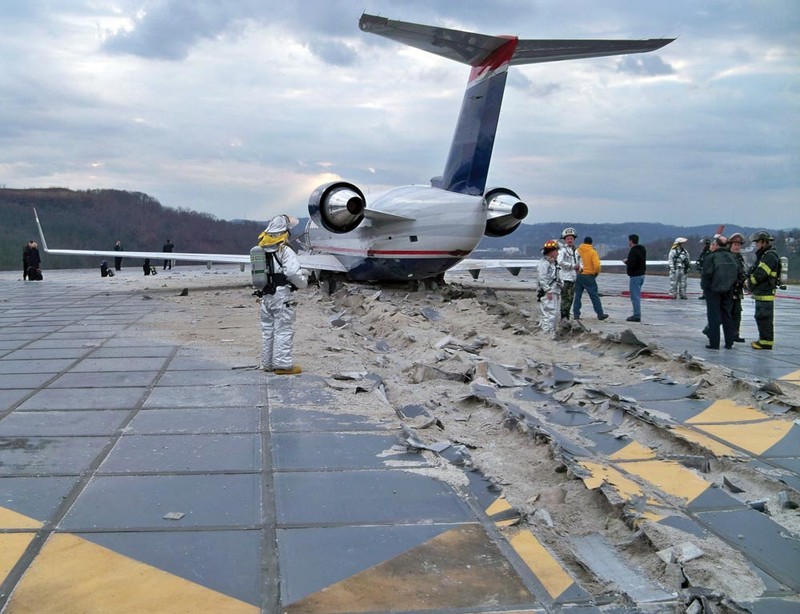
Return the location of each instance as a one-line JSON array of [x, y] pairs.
[[418, 232]]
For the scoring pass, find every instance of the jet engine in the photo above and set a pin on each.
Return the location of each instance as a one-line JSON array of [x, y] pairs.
[[337, 206], [504, 212]]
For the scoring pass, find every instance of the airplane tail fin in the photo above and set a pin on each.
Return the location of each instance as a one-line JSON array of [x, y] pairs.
[[467, 164]]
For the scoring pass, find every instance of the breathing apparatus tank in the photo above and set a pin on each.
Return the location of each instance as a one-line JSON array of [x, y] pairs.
[[784, 272], [258, 267]]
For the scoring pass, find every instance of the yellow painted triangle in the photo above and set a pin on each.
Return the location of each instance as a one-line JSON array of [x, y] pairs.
[[72, 575], [9, 519], [458, 569], [12, 547]]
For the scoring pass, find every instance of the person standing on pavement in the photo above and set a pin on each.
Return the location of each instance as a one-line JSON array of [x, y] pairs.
[[706, 243], [586, 279], [636, 267], [34, 263], [679, 263], [167, 248], [720, 272], [25, 253], [735, 241], [549, 294], [763, 279], [283, 275], [118, 259], [570, 264]]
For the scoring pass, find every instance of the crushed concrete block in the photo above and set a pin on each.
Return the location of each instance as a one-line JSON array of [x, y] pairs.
[[731, 486], [785, 502], [173, 515]]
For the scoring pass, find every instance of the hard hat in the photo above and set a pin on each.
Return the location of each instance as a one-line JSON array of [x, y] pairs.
[[569, 232], [680, 240], [736, 237], [761, 235], [549, 246]]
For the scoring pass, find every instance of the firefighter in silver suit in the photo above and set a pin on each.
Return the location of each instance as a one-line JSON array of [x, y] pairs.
[[679, 264], [283, 275], [549, 288]]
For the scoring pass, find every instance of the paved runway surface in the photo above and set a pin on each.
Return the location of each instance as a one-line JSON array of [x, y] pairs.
[[141, 476]]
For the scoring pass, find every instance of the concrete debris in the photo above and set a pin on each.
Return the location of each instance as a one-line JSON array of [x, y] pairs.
[[785, 502], [771, 388], [184, 292], [411, 411], [628, 337], [498, 374], [473, 347], [682, 553], [430, 314], [419, 373], [340, 320], [760, 505], [605, 563], [412, 440], [543, 516], [731, 486], [350, 376], [173, 515]]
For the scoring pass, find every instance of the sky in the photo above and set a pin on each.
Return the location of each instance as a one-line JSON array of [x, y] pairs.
[[240, 108]]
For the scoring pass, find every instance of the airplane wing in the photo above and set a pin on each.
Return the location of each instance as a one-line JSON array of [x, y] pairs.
[[192, 257], [319, 262]]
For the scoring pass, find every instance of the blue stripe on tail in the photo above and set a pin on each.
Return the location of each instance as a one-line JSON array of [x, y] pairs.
[[467, 164]]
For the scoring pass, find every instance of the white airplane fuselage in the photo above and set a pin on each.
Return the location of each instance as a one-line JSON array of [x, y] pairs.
[[410, 232]]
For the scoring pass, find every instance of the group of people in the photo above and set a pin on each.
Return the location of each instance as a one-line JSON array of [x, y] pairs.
[[147, 268], [724, 281], [565, 273], [31, 262]]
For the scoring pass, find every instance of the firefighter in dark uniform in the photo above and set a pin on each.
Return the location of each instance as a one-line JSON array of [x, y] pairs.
[[763, 278], [736, 240]]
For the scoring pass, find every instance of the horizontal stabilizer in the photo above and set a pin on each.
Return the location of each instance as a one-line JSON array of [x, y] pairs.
[[473, 49]]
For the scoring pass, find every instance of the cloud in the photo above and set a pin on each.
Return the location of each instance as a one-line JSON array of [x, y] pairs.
[[650, 65], [229, 107]]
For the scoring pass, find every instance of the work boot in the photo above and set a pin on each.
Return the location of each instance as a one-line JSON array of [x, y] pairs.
[[761, 345], [293, 370], [602, 316], [633, 319]]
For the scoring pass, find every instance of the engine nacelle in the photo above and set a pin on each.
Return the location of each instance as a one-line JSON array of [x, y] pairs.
[[337, 206], [505, 211]]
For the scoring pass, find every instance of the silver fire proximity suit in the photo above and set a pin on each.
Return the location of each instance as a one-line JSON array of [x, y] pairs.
[[550, 286], [679, 263], [282, 274]]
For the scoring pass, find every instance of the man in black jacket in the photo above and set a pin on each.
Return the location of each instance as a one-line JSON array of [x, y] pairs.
[[636, 266], [720, 273]]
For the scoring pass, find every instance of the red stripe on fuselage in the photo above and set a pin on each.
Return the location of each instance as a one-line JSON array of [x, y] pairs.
[[496, 61], [395, 252]]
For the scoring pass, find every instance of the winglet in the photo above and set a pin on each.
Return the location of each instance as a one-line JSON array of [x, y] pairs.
[[41, 232]]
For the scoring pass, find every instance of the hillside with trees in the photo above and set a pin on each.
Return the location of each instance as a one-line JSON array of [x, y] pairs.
[[95, 219]]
